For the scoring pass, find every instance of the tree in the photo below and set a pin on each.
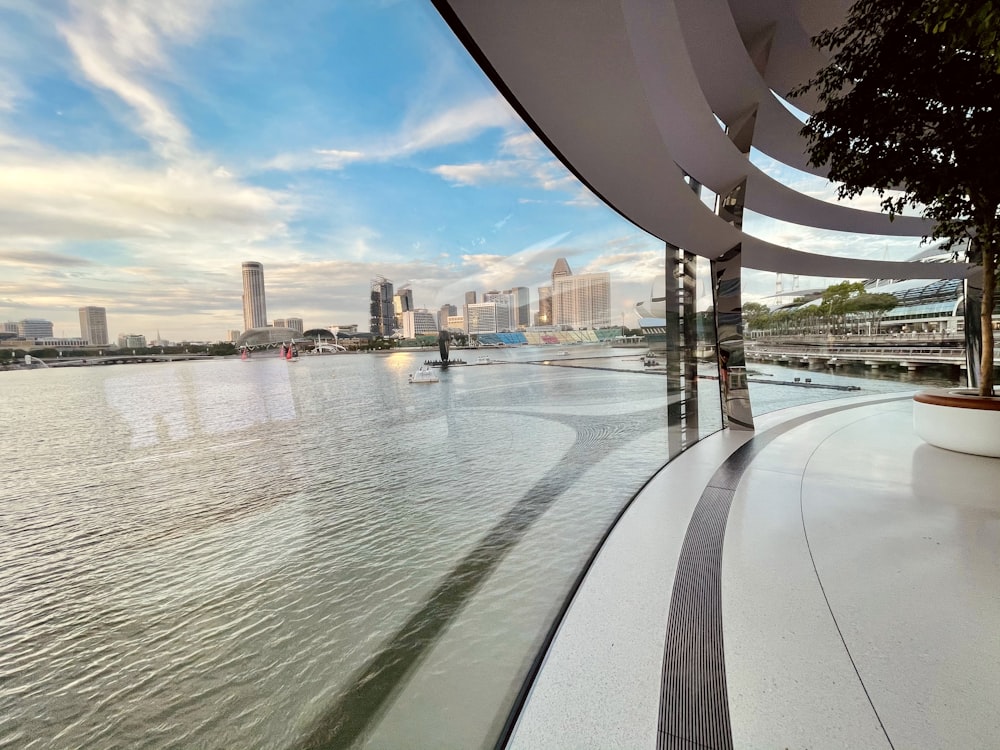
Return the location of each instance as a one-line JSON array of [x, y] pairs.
[[755, 315], [872, 306], [911, 101], [836, 300]]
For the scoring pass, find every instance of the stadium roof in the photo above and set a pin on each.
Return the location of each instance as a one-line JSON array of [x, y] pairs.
[[633, 97]]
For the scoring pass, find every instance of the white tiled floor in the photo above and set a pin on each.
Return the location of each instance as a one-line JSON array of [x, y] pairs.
[[859, 589]]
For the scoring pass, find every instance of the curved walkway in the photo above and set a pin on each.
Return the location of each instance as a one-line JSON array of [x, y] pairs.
[[829, 581]]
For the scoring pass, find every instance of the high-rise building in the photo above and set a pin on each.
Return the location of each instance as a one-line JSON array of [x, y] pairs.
[[470, 298], [506, 315], [131, 341], [10, 326], [582, 301], [94, 325], [418, 323], [522, 301], [402, 302], [254, 306], [382, 320], [233, 335], [487, 317], [561, 268], [444, 313], [544, 317], [34, 328], [295, 324]]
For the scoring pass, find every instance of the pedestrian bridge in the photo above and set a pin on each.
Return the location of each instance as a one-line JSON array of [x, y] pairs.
[[876, 356]]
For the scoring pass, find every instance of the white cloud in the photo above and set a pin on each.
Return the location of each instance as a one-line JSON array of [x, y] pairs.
[[57, 197], [118, 42], [457, 124]]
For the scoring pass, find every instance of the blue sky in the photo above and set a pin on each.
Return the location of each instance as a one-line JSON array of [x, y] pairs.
[[147, 148]]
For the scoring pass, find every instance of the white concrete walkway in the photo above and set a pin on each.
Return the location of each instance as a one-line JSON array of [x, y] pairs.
[[860, 603]]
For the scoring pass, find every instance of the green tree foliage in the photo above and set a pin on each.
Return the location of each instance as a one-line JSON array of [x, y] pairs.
[[911, 101], [755, 315], [872, 306]]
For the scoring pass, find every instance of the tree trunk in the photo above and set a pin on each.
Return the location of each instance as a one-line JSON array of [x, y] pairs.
[[988, 260]]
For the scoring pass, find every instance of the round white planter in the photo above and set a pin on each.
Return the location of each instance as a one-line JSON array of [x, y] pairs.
[[959, 420]]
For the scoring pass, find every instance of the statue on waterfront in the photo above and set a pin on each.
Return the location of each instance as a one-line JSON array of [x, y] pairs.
[[444, 340]]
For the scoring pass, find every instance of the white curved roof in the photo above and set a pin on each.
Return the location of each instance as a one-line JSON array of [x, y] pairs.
[[626, 93]]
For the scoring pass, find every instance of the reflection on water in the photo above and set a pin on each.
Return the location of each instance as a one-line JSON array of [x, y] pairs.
[[228, 549], [263, 554]]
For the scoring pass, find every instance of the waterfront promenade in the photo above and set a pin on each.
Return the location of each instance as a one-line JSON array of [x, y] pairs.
[[843, 594]]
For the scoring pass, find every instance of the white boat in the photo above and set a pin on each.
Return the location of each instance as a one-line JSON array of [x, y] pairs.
[[484, 361], [424, 374]]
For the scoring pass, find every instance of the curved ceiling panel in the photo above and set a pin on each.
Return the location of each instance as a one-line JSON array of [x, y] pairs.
[[689, 131], [622, 109], [731, 83]]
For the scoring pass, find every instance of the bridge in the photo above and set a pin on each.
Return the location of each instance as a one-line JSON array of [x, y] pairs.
[[111, 359], [909, 357]]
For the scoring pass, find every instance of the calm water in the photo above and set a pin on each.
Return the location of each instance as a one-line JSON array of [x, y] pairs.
[[261, 555]]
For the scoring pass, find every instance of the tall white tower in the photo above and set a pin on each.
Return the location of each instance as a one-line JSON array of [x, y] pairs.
[[94, 325], [254, 308]]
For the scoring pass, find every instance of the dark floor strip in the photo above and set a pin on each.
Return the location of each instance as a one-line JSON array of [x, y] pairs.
[[694, 705]]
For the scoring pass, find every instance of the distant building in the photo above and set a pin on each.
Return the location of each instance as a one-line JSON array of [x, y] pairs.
[[470, 298], [561, 268], [522, 301], [487, 317], [418, 323], [295, 324], [382, 321], [131, 341], [402, 302], [233, 334], [544, 317], [455, 323], [506, 309], [254, 305], [94, 325], [582, 301], [61, 342], [349, 328], [10, 326], [444, 313], [34, 328]]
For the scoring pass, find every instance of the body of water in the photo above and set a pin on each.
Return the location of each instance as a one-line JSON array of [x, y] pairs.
[[264, 554]]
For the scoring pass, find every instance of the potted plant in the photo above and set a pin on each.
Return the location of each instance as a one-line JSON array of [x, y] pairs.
[[909, 105]]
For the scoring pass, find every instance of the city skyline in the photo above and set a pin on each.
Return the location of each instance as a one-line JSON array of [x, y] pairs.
[[146, 150]]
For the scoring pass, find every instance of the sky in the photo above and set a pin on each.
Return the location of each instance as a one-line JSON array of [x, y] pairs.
[[148, 148]]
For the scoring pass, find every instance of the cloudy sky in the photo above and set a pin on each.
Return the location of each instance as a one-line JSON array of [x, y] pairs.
[[147, 148]]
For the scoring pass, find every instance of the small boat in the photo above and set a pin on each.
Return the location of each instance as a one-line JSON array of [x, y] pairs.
[[649, 359], [484, 361], [424, 374]]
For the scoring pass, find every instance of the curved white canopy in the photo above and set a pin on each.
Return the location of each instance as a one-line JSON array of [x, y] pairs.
[[627, 93]]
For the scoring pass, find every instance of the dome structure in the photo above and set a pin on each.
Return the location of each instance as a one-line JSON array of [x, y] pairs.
[[266, 338]]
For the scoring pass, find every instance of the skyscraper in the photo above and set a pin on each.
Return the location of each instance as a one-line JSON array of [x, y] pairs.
[[522, 301], [444, 313], [254, 307], [544, 317], [470, 298], [402, 302], [94, 325], [582, 301], [382, 320]]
